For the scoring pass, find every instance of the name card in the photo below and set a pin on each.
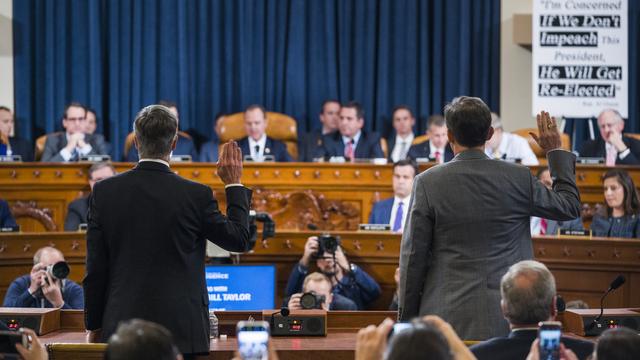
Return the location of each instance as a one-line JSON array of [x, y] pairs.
[[264, 158], [180, 158], [586, 233], [95, 158], [10, 229], [10, 158], [375, 227], [590, 160]]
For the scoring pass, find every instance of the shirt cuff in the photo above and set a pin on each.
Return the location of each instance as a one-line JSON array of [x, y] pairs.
[[623, 154], [66, 154], [85, 149], [232, 185]]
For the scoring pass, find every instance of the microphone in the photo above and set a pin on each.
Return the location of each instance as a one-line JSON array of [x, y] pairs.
[[616, 283], [284, 311], [311, 226]]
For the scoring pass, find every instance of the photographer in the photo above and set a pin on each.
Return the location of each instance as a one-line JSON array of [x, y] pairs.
[[44, 287], [347, 279], [317, 294]]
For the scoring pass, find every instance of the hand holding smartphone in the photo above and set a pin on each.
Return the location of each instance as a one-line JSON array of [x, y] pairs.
[[8, 341], [253, 340], [549, 334]]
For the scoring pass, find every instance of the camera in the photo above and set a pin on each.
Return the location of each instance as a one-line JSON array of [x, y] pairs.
[[327, 244], [59, 270], [310, 300]]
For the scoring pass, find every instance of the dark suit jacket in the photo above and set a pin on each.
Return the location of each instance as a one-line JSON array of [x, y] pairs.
[[272, 147], [468, 222], [381, 212], [368, 146], [146, 246], [22, 147], [310, 146], [516, 346], [76, 214], [209, 151], [596, 148], [6, 219], [184, 146], [423, 150], [57, 141]]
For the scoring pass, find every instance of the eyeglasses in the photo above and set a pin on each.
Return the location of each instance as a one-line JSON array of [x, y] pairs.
[[76, 119]]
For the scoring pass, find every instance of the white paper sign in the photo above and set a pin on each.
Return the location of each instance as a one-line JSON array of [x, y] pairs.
[[580, 62]]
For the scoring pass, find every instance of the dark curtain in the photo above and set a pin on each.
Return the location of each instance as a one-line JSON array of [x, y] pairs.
[[221, 56]]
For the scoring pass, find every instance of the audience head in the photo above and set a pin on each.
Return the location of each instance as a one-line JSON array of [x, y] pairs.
[[172, 106], [47, 256], [319, 284], [610, 122], [468, 121], [140, 339], [437, 131], [403, 173], [620, 193], [92, 121], [330, 115], [617, 344], [403, 120], [100, 171], [528, 292], [6, 121], [255, 121], [414, 342], [496, 124], [351, 119], [75, 118], [544, 175], [156, 132]]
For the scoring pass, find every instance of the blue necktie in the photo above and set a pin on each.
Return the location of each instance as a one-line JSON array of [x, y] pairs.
[[397, 223]]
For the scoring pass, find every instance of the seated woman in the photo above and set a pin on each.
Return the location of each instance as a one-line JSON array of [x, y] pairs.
[[620, 215]]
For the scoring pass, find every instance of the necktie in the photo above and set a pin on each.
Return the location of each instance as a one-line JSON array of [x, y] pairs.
[[543, 226], [403, 151], [612, 154], [348, 151], [257, 149], [438, 157], [74, 155], [397, 223]]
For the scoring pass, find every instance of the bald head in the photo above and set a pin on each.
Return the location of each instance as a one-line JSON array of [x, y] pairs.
[[528, 293], [47, 256], [610, 122]]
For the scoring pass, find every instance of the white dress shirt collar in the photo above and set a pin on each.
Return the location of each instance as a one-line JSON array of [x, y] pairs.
[[433, 149], [261, 142], [159, 161], [356, 138]]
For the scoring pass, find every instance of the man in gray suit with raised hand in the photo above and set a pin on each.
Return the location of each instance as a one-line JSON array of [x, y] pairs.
[[469, 221]]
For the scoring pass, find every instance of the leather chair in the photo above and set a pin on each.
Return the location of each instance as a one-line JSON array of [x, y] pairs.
[[40, 146], [420, 139]]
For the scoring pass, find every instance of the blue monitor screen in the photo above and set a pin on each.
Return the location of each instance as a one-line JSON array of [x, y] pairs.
[[241, 287]]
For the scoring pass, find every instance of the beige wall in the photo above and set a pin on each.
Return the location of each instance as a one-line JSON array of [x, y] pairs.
[[515, 70], [6, 53]]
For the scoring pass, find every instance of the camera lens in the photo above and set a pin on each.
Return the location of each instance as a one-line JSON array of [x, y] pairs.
[[60, 270], [308, 301]]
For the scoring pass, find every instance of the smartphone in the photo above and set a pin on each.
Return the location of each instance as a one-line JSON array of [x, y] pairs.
[[253, 340], [549, 333], [8, 341], [398, 327]]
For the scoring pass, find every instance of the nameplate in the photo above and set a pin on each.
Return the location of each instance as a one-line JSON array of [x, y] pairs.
[[337, 159], [375, 161], [423, 160], [264, 158], [10, 229], [375, 227], [10, 158], [512, 160], [95, 158], [590, 160], [83, 227], [586, 233], [180, 158]]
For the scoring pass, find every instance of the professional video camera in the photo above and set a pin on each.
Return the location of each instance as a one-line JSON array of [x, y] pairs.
[[268, 226], [327, 244], [310, 300]]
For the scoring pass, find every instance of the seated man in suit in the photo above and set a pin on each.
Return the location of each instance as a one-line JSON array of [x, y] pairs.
[[320, 285], [351, 142], [403, 122], [77, 209], [184, 146], [437, 148], [310, 144], [540, 226], [73, 143], [612, 145], [528, 292], [347, 279], [504, 145], [12, 145], [209, 150], [393, 211], [257, 145], [6, 218], [40, 289]]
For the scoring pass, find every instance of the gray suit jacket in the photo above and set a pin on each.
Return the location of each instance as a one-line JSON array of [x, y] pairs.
[[468, 222], [57, 141]]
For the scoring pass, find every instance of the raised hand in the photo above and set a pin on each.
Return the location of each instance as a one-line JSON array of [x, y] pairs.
[[230, 163], [548, 137]]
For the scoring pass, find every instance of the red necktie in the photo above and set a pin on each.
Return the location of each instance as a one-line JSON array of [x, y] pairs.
[[543, 226], [348, 151], [438, 157]]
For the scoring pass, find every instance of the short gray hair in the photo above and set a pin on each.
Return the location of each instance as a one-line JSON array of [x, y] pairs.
[[527, 290], [616, 114], [38, 255], [156, 127]]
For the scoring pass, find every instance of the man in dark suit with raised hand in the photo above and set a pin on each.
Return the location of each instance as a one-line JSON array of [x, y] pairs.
[[147, 236], [469, 221]]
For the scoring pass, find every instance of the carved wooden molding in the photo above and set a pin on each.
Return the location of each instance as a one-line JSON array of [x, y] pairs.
[[302, 210], [30, 209]]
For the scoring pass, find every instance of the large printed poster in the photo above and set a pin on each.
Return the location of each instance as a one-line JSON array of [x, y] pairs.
[[580, 57]]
